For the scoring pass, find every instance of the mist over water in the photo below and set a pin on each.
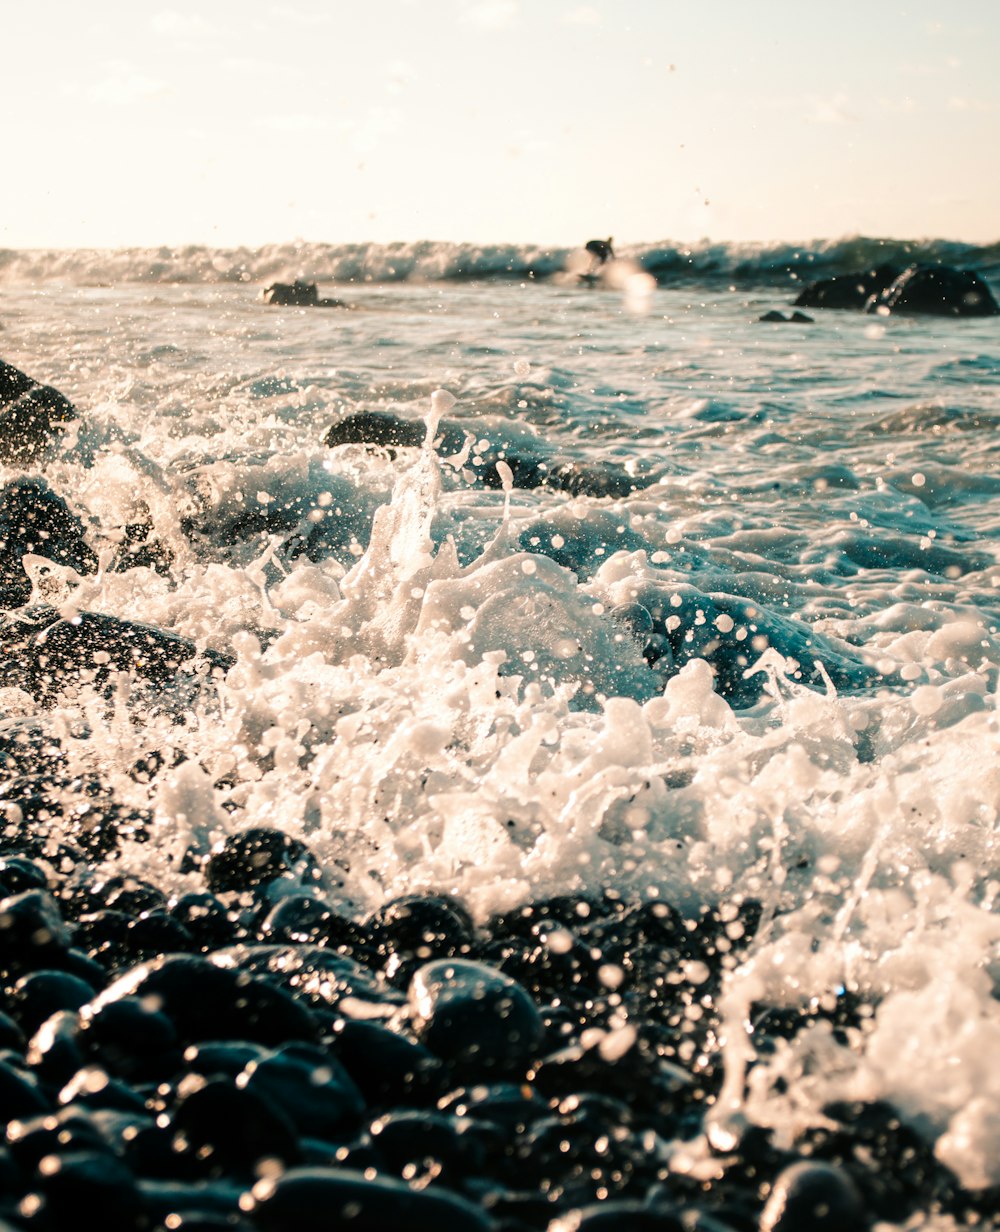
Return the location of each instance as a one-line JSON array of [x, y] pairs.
[[746, 648]]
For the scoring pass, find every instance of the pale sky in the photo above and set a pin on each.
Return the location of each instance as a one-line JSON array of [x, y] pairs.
[[246, 122]]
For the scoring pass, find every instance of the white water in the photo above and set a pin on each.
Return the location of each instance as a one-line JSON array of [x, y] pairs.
[[442, 699]]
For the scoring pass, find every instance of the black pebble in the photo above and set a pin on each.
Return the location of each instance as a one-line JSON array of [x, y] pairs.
[[468, 1012], [229, 1129], [253, 857], [320, 1199], [207, 1002], [813, 1197]]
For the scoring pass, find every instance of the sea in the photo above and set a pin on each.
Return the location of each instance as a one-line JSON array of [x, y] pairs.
[[736, 638]]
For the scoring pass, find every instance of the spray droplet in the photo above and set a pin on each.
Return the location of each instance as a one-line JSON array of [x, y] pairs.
[[441, 402]]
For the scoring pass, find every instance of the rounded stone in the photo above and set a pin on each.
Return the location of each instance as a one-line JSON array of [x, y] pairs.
[[320, 1199], [255, 856], [208, 1002], [468, 1012], [228, 1128], [813, 1197]]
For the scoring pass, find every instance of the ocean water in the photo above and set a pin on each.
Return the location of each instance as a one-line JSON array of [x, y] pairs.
[[741, 643]]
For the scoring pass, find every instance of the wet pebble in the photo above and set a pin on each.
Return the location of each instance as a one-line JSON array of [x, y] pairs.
[[206, 1002], [469, 1012], [309, 1085], [318, 1199], [814, 1197], [251, 858]]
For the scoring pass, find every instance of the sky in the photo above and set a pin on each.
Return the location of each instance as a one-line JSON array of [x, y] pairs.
[[248, 122]]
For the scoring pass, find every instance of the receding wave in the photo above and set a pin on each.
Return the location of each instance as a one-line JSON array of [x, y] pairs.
[[436, 261]]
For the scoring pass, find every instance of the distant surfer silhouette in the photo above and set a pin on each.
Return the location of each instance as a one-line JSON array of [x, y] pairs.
[[600, 251]]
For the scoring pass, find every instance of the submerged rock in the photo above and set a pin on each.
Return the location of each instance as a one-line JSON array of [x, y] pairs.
[[529, 467]]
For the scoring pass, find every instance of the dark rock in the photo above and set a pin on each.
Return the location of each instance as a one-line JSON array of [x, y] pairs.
[[244, 861], [937, 290], [225, 1059], [321, 977], [21, 1097], [131, 1039], [69, 1129], [847, 290], [12, 1036], [28, 748], [385, 430], [139, 548], [512, 1105], [44, 654], [324, 1199], [616, 1216], [229, 1129], [207, 1002], [625, 1064], [297, 294], [468, 1012], [415, 1145], [20, 1094], [124, 892], [409, 931], [92, 1087], [32, 931], [206, 919], [31, 415], [814, 1197], [529, 467], [191, 1201], [796, 318], [116, 939], [387, 1068], [571, 910], [555, 963], [38, 996], [78, 808], [310, 1086], [54, 1052], [93, 1183], [34, 519], [304, 918], [18, 873]]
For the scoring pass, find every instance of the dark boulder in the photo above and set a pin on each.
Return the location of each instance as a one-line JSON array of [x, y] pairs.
[[847, 290], [938, 291], [297, 294], [44, 654], [35, 520], [30, 416], [529, 466]]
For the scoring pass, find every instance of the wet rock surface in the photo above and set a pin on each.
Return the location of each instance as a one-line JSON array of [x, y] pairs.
[[408, 1068], [32, 416]]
